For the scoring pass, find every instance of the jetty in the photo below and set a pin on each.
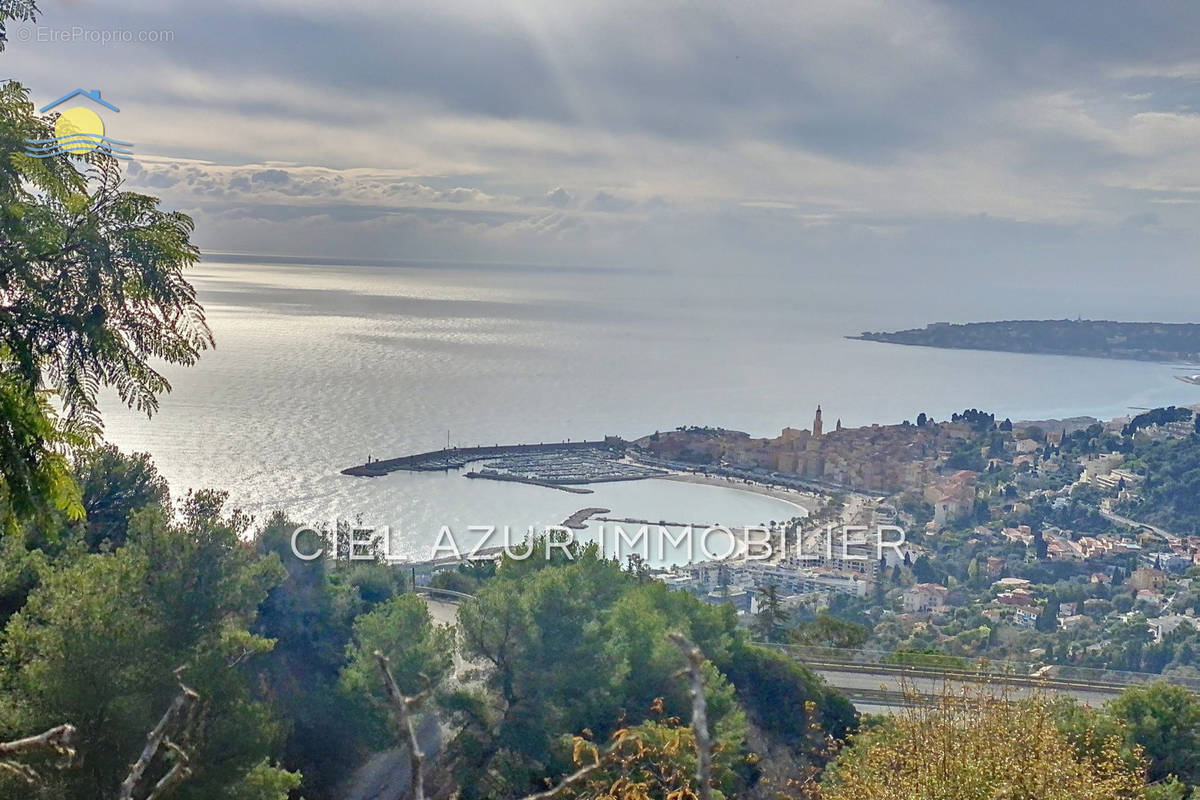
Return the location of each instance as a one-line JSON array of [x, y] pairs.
[[492, 475], [662, 523], [578, 520], [562, 465], [455, 458]]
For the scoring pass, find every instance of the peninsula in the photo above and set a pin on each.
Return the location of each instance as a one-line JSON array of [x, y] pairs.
[[1143, 341]]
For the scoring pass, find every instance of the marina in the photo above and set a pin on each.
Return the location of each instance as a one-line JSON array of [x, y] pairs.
[[563, 465]]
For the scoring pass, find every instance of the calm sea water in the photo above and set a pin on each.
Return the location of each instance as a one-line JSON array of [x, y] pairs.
[[318, 366]]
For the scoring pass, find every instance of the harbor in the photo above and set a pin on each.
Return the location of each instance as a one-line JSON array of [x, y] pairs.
[[561, 465]]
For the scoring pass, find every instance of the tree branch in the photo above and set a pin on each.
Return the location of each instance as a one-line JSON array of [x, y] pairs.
[[56, 740], [155, 741], [574, 777], [180, 771], [403, 706], [695, 660]]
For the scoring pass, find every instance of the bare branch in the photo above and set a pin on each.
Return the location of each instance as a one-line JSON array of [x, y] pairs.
[[403, 705], [574, 777], [695, 673], [180, 771], [56, 740], [156, 740]]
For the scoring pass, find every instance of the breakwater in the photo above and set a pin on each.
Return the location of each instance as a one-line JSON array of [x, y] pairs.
[[455, 458], [578, 520], [491, 475]]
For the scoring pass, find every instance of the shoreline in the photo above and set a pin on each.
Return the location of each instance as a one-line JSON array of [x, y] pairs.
[[753, 488]]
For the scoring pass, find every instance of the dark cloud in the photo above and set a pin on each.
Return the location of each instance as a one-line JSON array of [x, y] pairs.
[[276, 177], [559, 197], [603, 201], [855, 132]]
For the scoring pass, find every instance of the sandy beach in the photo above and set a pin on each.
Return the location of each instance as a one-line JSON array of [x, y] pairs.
[[805, 501]]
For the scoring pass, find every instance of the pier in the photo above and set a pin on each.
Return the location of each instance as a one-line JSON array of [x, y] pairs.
[[564, 465], [455, 458]]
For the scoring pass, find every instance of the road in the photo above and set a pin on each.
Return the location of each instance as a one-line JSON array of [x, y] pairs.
[[889, 689], [443, 612], [1107, 512]]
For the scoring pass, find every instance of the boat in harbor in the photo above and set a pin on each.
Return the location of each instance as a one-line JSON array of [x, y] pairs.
[[1192, 379]]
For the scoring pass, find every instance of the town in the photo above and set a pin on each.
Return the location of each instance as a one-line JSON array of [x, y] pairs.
[[1065, 542]]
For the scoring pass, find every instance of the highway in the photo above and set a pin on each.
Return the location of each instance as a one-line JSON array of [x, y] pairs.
[[889, 689]]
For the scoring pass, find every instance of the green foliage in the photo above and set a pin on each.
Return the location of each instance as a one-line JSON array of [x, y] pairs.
[[582, 646], [787, 700], [1164, 721], [1047, 619], [99, 638], [924, 571], [771, 617], [1170, 789], [974, 746], [264, 782], [1170, 494], [457, 580], [829, 631], [23, 10], [93, 292], [36, 478], [420, 654], [310, 616], [115, 486], [1157, 416], [926, 658]]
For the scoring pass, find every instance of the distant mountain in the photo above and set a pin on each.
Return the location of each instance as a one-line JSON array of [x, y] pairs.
[[1144, 341]]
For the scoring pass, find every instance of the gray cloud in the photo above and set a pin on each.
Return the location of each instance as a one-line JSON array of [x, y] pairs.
[[768, 133], [559, 197]]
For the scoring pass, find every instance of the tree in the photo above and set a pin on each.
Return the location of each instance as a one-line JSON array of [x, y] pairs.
[[1041, 548], [977, 747], [420, 655], [91, 293], [771, 617], [531, 620], [98, 641], [1047, 619], [310, 617], [829, 631], [923, 570], [113, 487], [975, 573], [1164, 721], [23, 10]]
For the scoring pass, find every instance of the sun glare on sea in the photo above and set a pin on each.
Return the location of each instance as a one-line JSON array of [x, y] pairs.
[[81, 128]]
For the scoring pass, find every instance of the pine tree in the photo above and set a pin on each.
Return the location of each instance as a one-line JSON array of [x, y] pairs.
[[1047, 621], [771, 616]]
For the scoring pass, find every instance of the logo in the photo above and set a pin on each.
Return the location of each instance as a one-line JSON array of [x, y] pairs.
[[78, 130]]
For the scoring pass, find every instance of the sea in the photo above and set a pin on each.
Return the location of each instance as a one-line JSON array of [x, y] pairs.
[[319, 365]]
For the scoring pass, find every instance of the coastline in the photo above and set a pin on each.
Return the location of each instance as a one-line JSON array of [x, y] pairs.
[[753, 488]]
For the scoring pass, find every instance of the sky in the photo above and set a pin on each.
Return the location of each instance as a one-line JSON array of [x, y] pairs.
[[936, 144]]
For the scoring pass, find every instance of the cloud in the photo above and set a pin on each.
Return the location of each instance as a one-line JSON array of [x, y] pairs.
[[559, 197], [603, 201], [699, 133]]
